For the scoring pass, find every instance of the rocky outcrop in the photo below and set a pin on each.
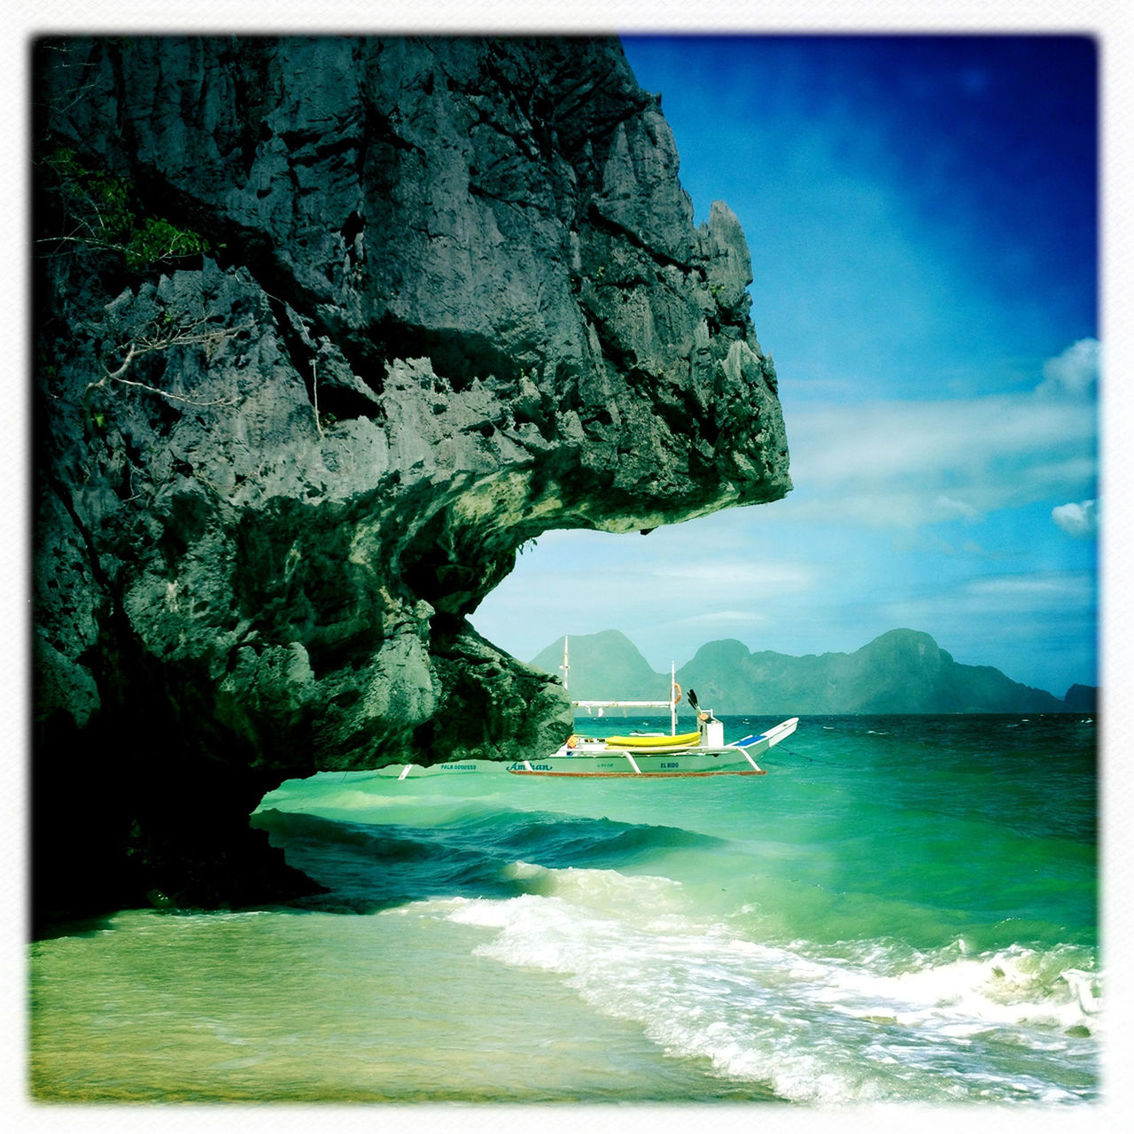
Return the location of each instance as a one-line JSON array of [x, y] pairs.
[[326, 329]]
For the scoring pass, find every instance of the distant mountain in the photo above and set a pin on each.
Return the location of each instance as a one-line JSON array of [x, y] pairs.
[[1082, 699], [603, 667], [903, 671]]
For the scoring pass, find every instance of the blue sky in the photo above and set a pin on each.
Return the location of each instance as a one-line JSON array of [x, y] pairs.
[[922, 217]]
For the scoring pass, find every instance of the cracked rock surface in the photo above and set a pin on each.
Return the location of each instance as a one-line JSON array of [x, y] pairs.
[[423, 300]]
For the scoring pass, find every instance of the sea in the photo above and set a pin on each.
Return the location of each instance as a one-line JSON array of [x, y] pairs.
[[902, 910]]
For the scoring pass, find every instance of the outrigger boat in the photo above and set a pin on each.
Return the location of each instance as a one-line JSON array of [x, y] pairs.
[[699, 753]]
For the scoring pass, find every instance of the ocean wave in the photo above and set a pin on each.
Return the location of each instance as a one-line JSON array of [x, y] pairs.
[[366, 866], [873, 1022], [497, 835]]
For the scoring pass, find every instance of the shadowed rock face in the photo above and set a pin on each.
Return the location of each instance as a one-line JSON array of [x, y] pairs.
[[326, 329]]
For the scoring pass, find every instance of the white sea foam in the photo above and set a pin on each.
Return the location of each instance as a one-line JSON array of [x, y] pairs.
[[869, 1024]]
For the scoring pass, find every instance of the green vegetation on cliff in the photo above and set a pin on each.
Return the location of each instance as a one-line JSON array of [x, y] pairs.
[[96, 208]]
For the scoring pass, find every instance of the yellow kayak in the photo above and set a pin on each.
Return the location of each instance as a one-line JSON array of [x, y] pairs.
[[681, 741]]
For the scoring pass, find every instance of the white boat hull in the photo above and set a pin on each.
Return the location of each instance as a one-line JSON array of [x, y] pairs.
[[597, 758], [637, 766]]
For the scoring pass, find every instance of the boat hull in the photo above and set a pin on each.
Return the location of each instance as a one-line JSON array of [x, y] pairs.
[[616, 765], [597, 758]]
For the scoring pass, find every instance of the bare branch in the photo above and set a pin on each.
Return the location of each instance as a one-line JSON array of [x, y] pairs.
[[315, 397], [116, 374], [92, 241], [167, 394], [184, 334]]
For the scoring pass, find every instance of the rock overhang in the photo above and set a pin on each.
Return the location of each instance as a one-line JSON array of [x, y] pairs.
[[443, 303]]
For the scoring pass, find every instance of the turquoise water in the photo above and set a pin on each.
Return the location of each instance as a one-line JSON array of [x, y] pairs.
[[901, 910]]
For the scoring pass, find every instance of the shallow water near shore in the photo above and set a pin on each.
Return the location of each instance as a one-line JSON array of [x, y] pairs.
[[904, 909]]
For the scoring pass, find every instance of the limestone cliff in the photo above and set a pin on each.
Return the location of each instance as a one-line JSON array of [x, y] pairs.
[[326, 328]]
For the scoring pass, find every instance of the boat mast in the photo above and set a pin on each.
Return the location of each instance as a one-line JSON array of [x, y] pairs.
[[566, 666], [672, 700]]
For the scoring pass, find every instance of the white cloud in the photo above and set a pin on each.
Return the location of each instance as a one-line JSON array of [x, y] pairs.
[[882, 441], [742, 577], [724, 618], [991, 604], [1080, 520], [962, 508], [1026, 586], [907, 464], [1075, 372]]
